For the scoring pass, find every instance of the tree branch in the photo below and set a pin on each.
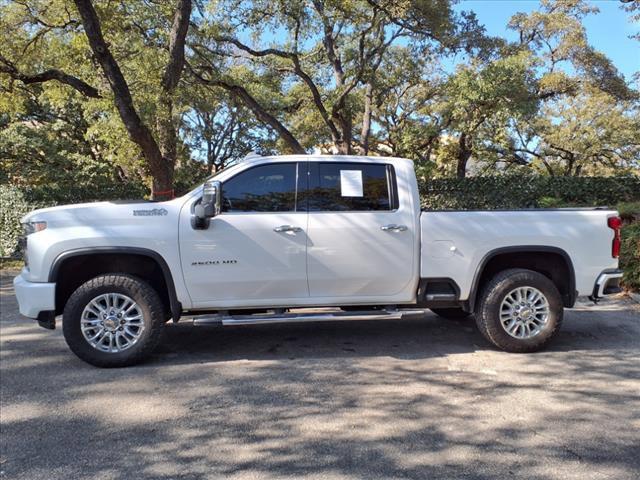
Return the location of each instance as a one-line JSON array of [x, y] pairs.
[[297, 69], [259, 111], [329, 44], [253, 52], [51, 74]]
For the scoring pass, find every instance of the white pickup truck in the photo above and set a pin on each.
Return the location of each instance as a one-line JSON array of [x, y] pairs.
[[271, 239]]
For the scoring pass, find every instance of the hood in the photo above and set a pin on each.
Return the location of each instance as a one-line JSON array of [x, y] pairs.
[[96, 212]]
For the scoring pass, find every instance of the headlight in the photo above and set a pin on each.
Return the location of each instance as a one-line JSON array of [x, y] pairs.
[[33, 227]]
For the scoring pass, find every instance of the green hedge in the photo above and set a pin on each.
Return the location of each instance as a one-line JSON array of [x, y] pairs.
[[629, 211], [525, 191], [630, 256], [13, 206]]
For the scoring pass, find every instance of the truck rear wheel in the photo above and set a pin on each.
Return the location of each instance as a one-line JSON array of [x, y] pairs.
[[113, 320], [520, 311], [451, 313]]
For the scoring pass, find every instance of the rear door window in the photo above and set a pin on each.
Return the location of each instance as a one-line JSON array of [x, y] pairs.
[[344, 186]]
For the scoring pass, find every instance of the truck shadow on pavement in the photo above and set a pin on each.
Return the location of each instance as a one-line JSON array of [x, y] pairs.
[[408, 339]]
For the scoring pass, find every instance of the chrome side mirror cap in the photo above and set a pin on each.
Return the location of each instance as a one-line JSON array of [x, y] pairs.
[[209, 206]]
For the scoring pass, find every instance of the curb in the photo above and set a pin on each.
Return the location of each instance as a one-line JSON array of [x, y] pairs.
[[634, 296]]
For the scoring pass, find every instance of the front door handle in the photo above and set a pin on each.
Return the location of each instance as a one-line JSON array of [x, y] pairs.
[[287, 228], [393, 228]]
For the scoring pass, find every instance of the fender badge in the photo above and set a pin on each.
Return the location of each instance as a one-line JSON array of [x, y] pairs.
[[156, 212], [213, 262]]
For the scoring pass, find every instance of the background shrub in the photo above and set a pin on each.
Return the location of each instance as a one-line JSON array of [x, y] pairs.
[[526, 191], [629, 211], [13, 206], [630, 256]]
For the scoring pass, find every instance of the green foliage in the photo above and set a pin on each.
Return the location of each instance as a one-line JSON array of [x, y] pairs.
[[527, 191], [551, 202], [630, 256], [12, 207], [587, 120], [591, 133], [54, 152], [500, 87], [629, 211], [311, 63], [10, 264]]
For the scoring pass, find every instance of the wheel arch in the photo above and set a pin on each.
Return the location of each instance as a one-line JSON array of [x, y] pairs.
[[164, 285], [539, 258]]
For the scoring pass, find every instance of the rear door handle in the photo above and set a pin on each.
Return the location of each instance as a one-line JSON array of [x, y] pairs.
[[287, 228], [393, 228]]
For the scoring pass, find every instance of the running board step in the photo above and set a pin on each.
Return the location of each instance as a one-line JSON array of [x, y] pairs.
[[219, 319]]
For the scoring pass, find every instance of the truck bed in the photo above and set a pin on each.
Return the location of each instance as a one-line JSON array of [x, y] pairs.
[[455, 244]]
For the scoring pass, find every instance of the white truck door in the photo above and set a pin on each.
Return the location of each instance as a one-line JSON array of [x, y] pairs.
[[254, 252], [362, 239]]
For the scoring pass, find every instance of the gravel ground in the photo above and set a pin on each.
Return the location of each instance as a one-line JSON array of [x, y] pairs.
[[426, 398]]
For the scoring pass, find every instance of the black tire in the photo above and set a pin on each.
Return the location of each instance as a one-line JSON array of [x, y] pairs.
[[451, 313], [490, 303], [139, 291]]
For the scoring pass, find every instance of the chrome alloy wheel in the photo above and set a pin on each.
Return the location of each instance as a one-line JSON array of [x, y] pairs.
[[112, 322], [524, 312]]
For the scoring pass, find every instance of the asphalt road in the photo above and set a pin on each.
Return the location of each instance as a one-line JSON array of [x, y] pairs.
[[419, 399]]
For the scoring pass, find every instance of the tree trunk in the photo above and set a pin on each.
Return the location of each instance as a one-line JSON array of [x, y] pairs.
[[160, 160], [138, 131], [464, 153], [167, 141], [366, 119], [166, 124], [345, 127], [578, 171]]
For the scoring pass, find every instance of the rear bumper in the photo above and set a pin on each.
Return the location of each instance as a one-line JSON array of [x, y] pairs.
[[34, 298], [607, 283]]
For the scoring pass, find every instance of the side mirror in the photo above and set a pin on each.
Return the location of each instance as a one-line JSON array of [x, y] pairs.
[[209, 207]]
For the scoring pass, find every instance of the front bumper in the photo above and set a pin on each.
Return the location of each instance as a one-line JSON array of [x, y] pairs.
[[34, 298], [607, 283]]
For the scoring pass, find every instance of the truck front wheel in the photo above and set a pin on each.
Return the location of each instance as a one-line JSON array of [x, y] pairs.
[[113, 320], [519, 311]]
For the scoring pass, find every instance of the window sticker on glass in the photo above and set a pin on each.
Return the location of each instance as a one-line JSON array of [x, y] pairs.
[[351, 183]]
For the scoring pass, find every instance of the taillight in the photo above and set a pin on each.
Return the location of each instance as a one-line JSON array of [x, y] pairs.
[[615, 223]]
